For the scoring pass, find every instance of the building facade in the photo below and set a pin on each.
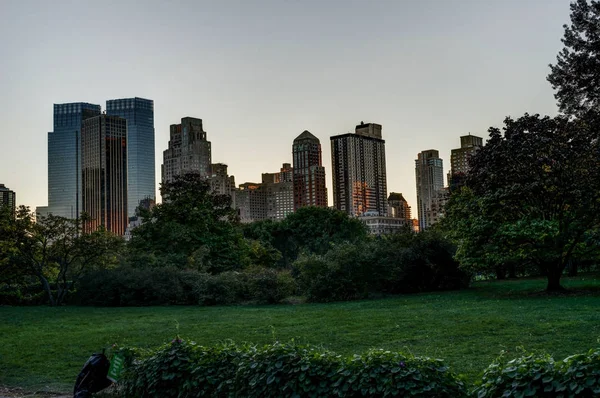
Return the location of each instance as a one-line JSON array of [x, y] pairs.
[[64, 159], [359, 171], [308, 171], [141, 179], [459, 159], [382, 225], [189, 150], [429, 171], [104, 173], [8, 197], [398, 208]]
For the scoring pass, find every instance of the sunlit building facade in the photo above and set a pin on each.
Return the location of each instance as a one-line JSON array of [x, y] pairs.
[[359, 171], [104, 173], [459, 160], [141, 180], [429, 172], [308, 171], [64, 159], [188, 151]]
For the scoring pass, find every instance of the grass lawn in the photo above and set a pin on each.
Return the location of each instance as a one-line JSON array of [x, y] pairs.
[[44, 348]]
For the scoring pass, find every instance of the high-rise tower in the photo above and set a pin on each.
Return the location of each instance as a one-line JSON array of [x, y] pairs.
[[8, 197], [359, 172], [64, 158], [104, 173], [141, 180], [459, 159], [189, 150], [308, 172], [429, 171]]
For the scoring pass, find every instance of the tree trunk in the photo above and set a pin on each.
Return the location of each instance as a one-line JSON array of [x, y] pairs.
[[554, 275], [48, 290], [500, 273], [573, 268], [512, 271]]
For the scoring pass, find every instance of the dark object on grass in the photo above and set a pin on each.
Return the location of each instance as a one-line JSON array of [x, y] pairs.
[[92, 377]]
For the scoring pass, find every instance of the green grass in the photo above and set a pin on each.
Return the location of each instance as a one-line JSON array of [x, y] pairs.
[[44, 348]]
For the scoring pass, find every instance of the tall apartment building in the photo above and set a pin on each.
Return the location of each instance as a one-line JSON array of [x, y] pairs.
[[459, 159], [64, 159], [141, 180], [189, 150], [279, 192], [221, 182], [104, 173], [272, 199], [7, 197], [398, 207], [429, 172], [359, 172], [308, 171]]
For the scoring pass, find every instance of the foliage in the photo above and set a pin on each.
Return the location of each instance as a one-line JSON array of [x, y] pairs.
[[192, 228], [184, 369], [401, 263], [53, 250], [576, 74], [532, 197], [268, 286], [538, 375]]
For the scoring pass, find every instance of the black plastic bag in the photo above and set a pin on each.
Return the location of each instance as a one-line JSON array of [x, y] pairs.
[[92, 377]]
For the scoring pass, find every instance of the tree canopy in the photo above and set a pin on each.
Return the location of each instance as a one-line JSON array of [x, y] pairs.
[[532, 195]]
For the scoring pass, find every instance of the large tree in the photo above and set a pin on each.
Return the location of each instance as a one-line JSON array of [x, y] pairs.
[[576, 74], [193, 228], [532, 196], [53, 250]]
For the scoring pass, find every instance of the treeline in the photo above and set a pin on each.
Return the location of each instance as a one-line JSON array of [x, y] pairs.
[[191, 249]]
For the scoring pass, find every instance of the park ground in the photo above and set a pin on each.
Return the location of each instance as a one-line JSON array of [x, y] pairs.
[[43, 349]]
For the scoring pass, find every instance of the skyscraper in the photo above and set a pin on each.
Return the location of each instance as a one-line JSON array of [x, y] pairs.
[[279, 188], [359, 172], [139, 113], [459, 159], [429, 172], [104, 173], [308, 172], [64, 158], [398, 207], [7, 197], [189, 150]]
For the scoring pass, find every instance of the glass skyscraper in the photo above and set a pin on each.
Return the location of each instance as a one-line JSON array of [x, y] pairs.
[[139, 113], [64, 158]]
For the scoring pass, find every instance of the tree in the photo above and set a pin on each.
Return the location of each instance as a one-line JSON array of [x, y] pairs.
[[192, 228], [534, 196], [576, 74], [53, 250]]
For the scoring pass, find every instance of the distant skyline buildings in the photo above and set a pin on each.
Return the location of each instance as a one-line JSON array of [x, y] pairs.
[[310, 188], [358, 169], [64, 158], [141, 179], [104, 173], [7, 197], [188, 151], [429, 173], [459, 159]]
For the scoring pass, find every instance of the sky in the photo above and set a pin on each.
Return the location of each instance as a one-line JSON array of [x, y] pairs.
[[260, 72]]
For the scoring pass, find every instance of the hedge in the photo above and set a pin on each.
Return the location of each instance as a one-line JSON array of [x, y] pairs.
[[183, 369]]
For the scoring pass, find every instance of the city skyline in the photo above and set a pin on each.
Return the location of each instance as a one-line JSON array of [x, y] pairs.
[[440, 71]]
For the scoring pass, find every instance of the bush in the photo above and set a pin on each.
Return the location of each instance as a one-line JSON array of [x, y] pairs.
[[184, 369], [269, 286], [538, 375], [222, 289]]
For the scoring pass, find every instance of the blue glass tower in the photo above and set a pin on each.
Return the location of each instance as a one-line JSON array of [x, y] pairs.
[[139, 113], [64, 158]]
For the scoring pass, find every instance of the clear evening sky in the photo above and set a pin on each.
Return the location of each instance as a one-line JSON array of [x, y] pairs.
[[260, 72]]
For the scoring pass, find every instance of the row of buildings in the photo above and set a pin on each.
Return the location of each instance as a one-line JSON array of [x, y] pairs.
[[102, 163]]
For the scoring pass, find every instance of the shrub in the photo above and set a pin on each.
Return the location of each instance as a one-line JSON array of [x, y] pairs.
[[269, 286], [222, 289], [538, 375], [184, 369]]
